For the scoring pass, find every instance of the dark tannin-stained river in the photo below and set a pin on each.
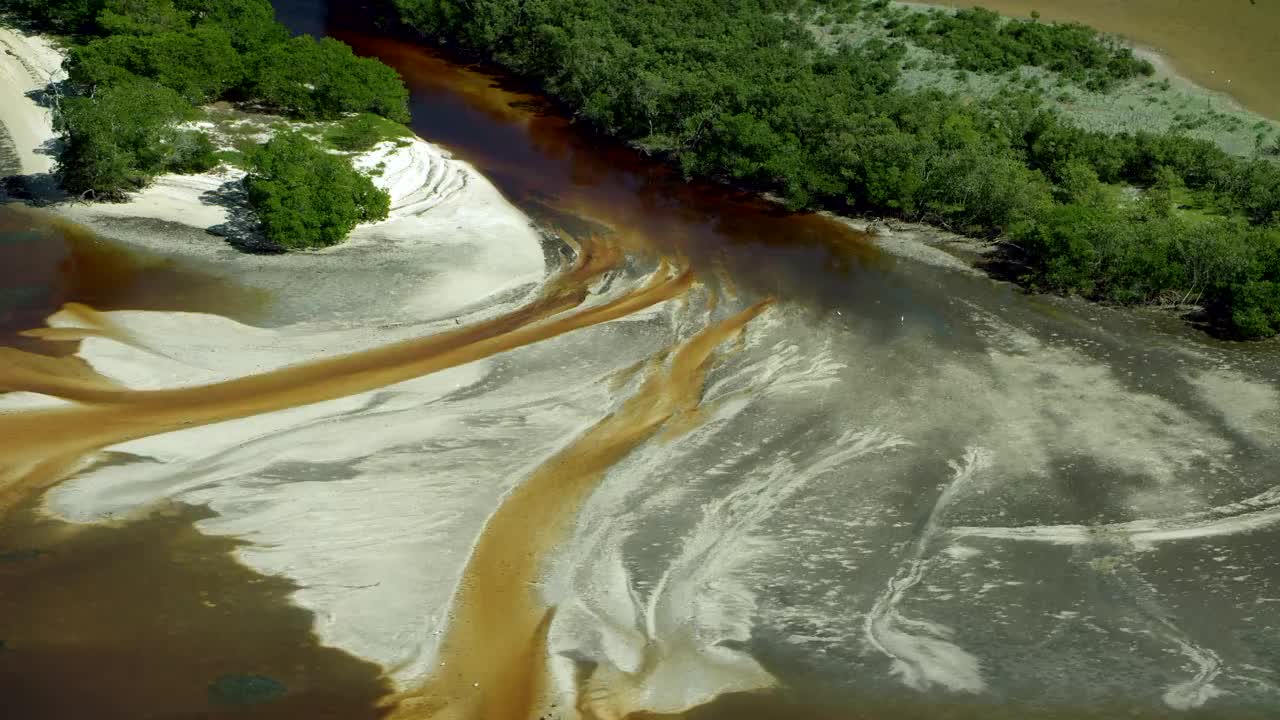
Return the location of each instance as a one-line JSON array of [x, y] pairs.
[[1232, 46], [720, 461]]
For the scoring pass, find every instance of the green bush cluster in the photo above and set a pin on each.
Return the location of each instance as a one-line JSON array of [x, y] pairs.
[[66, 17], [1247, 187], [232, 49], [359, 133], [981, 41], [306, 197], [200, 64], [140, 66], [740, 90], [1143, 255]]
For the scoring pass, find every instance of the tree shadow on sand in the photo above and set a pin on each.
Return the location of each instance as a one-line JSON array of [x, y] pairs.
[[37, 190], [242, 230], [32, 188]]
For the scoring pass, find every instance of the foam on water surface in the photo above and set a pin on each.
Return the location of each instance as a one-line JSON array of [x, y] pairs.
[[692, 494]]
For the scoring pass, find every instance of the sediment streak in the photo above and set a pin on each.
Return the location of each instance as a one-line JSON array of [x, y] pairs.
[[493, 656], [41, 447]]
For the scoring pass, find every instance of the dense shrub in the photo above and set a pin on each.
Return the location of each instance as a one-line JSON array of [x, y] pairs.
[[980, 40], [116, 140], [1255, 309], [232, 48], [250, 23], [306, 197], [200, 64], [1138, 256], [59, 16], [736, 89], [325, 79], [1249, 187], [141, 17]]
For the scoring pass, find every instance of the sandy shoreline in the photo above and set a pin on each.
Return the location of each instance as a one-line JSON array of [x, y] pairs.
[[450, 241]]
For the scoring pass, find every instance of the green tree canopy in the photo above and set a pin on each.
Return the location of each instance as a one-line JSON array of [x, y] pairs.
[[141, 17], [981, 40], [741, 90], [61, 16], [308, 198], [250, 23], [118, 139], [213, 49], [325, 79]]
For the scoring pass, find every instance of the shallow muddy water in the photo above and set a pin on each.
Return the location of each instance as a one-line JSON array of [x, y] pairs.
[[720, 462], [158, 620], [1232, 46]]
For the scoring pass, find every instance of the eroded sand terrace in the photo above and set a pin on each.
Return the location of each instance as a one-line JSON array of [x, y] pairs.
[[538, 477]]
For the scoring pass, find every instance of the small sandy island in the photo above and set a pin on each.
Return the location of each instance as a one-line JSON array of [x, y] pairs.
[[450, 241], [452, 252]]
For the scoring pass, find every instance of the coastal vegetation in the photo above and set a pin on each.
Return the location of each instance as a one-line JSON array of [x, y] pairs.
[[980, 40], [748, 92], [139, 70], [360, 133], [324, 79]]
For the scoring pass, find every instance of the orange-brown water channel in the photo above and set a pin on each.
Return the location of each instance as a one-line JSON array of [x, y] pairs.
[[1232, 46]]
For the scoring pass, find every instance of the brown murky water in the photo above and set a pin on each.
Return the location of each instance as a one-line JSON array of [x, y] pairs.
[[496, 638], [557, 172], [1229, 45], [155, 620], [42, 447], [152, 619], [46, 262]]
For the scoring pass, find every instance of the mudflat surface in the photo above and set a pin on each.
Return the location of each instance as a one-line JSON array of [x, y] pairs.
[[1232, 46], [684, 453]]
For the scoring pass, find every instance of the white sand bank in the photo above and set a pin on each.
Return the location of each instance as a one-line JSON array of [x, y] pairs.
[[27, 64], [451, 241], [371, 502]]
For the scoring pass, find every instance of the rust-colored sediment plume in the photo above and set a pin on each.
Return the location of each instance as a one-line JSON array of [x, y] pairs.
[[492, 657], [39, 448]]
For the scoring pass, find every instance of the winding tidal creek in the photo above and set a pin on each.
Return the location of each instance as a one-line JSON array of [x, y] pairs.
[[677, 454], [1232, 46]]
